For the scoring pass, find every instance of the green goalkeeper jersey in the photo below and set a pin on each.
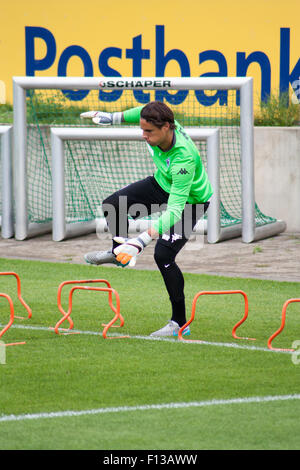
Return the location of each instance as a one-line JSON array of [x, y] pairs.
[[180, 172]]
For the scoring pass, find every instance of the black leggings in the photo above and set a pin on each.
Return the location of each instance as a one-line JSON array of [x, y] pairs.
[[144, 198]]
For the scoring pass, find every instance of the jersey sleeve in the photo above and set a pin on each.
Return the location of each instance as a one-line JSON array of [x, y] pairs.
[[132, 116], [182, 178]]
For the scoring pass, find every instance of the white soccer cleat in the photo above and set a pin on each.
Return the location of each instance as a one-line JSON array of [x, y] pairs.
[[101, 257], [106, 257], [171, 329]]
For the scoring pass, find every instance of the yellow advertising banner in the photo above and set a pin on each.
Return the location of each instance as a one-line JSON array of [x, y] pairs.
[[258, 38]]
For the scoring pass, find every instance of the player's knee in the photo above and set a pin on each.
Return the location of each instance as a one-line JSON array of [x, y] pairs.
[[111, 200], [110, 204], [163, 255]]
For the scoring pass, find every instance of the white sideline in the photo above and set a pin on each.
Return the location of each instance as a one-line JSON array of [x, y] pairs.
[[163, 339], [162, 406]]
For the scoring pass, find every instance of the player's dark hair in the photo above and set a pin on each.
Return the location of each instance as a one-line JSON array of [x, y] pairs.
[[158, 114]]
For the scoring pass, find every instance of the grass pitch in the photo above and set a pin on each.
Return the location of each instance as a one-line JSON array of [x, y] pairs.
[[121, 380]]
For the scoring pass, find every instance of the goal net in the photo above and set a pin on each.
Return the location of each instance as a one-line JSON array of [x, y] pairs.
[[93, 169], [61, 138]]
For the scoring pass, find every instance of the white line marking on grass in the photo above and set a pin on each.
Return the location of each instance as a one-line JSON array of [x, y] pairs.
[[162, 406], [164, 339], [206, 343]]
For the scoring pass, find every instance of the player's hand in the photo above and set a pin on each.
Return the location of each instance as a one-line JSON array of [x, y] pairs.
[[98, 117], [102, 118], [129, 248]]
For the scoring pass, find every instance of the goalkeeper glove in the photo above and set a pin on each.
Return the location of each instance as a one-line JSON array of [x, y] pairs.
[[130, 247], [102, 118]]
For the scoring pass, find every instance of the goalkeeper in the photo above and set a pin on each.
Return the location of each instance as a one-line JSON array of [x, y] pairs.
[[180, 185]]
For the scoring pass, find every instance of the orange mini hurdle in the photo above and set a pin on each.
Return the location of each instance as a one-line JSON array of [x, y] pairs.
[[11, 320], [283, 318], [226, 292], [28, 309], [66, 315], [11, 306]]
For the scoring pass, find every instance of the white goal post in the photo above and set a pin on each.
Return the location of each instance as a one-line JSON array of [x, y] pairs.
[[7, 223], [248, 230], [62, 230]]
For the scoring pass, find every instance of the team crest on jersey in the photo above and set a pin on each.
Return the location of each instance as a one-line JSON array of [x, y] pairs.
[[168, 162]]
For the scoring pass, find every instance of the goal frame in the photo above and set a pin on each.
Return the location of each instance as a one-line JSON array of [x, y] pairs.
[[62, 230], [6, 217], [249, 231]]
